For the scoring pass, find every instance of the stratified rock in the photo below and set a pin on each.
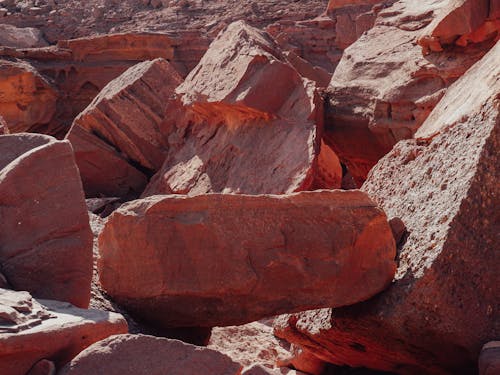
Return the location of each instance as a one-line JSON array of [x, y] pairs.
[[222, 259], [26, 37], [32, 330], [27, 100], [141, 354], [384, 87], [250, 124], [45, 237], [444, 304], [489, 360]]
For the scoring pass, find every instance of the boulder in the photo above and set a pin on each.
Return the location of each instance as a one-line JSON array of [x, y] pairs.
[[142, 354], [45, 237], [27, 100], [489, 360], [33, 330], [222, 259], [384, 87], [21, 37], [443, 305], [248, 123]]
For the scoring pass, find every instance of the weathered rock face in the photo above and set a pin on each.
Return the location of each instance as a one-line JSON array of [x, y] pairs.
[[489, 360], [221, 259], [139, 354], [384, 87], [27, 100], [32, 330], [3, 127], [127, 115], [250, 124], [444, 305], [45, 237], [17, 37]]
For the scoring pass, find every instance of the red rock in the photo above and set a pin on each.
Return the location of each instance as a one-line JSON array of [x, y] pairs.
[[489, 360], [141, 354], [26, 37], [239, 133], [336, 4], [232, 259], [43, 367], [27, 100], [45, 237], [33, 330], [384, 88], [444, 304], [3, 127]]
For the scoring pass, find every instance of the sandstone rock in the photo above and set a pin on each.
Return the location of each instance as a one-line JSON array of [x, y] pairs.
[[45, 237], [43, 367], [230, 259], [141, 354], [336, 4], [250, 124], [27, 37], [384, 88], [489, 360], [262, 370], [444, 304], [32, 330], [3, 127], [27, 100]]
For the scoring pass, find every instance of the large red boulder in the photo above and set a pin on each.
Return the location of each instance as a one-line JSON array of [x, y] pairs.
[[34, 330], [385, 87], [141, 354], [443, 305], [249, 123], [45, 236], [223, 259]]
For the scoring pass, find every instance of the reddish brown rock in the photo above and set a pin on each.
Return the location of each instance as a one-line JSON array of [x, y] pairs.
[[384, 87], [489, 360], [250, 124], [17, 37], [230, 259], [45, 237], [141, 354], [444, 304], [32, 330], [43, 367], [3, 127], [27, 100]]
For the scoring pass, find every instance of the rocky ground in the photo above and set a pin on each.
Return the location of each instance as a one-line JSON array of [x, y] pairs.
[[262, 187]]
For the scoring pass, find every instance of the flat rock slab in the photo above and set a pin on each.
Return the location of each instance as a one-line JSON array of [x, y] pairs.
[[141, 354], [45, 236], [32, 330], [222, 259], [444, 187]]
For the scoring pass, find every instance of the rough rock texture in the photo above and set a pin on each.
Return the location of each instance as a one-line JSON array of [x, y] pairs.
[[126, 115], [141, 354], [444, 304], [27, 100], [45, 237], [11, 36], [3, 127], [231, 259], [250, 124], [43, 367], [489, 360], [32, 330], [384, 86]]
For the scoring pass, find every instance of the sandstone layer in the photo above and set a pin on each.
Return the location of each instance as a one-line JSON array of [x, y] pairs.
[[444, 304], [230, 259], [45, 236]]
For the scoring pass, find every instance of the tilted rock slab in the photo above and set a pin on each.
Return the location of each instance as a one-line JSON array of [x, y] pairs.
[[45, 236], [248, 123], [385, 87], [223, 259], [126, 115], [444, 186], [32, 330], [142, 354]]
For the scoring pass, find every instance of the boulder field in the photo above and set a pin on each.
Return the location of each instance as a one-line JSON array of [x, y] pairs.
[[251, 188]]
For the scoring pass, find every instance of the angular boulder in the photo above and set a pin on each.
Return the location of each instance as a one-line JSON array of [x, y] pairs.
[[384, 87], [45, 236], [27, 100], [223, 259], [444, 304], [142, 354], [21, 37], [249, 124], [32, 330]]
